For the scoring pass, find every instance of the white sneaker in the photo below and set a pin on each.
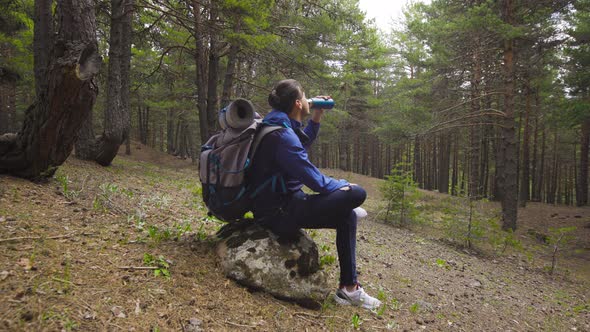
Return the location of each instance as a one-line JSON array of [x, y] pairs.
[[360, 212], [357, 298]]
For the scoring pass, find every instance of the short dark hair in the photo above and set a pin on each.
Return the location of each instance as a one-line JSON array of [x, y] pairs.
[[284, 95]]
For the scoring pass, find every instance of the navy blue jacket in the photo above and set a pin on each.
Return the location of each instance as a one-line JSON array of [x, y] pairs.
[[282, 154]]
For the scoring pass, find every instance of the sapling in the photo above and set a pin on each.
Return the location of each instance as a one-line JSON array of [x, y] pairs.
[[558, 238], [401, 193]]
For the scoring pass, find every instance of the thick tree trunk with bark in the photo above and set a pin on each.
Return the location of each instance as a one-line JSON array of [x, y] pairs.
[[116, 117], [509, 175], [52, 123], [8, 81], [42, 44]]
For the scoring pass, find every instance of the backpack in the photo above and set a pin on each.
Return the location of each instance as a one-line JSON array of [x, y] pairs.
[[224, 160]]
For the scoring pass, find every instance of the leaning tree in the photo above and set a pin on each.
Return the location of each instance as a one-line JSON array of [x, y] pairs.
[[65, 65]]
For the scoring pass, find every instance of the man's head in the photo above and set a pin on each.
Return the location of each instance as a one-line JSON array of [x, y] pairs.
[[288, 96]]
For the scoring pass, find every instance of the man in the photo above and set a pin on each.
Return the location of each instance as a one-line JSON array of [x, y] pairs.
[[281, 168]]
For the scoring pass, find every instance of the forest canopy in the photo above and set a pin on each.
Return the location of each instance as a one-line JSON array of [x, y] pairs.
[[483, 98]]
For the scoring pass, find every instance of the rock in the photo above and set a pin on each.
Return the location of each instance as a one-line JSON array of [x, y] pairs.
[[288, 269], [118, 312], [475, 284], [425, 305], [194, 325]]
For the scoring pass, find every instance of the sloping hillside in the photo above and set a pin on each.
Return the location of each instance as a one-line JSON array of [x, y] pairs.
[[129, 247]]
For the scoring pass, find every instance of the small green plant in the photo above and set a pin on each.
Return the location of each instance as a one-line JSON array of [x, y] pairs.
[[327, 260], [201, 233], [356, 321], [401, 194], [414, 308], [181, 229], [64, 182], [158, 235], [582, 308], [162, 266], [467, 226], [559, 237], [395, 305], [442, 263]]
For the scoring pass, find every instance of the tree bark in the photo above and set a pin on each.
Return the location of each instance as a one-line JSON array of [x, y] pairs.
[[525, 177], [443, 164], [126, 38], [8, 81], [116, 117], [213, 72], [230, 73], [510, 185], [418, 163], [582, 184], [42, 44], [201, 71], [52, 123]]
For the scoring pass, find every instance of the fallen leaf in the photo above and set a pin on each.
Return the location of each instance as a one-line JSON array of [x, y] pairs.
[[4, 275]]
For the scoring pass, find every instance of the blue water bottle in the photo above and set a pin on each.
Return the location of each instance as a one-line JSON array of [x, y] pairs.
[[317, 103]]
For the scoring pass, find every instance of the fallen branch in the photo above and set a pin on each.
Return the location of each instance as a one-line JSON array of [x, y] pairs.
[[239, 325], [301, 313], [138, 267], [36, 237], [67, 281]]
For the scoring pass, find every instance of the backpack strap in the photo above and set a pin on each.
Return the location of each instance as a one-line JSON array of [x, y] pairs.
[[262, 131]]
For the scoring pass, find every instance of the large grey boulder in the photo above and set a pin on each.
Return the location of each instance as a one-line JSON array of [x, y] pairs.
[[286, 268]]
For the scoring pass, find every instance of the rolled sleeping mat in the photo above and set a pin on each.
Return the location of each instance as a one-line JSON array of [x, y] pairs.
[[239, 114]]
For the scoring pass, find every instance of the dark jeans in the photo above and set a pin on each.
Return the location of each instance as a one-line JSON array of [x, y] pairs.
[[333, 210]]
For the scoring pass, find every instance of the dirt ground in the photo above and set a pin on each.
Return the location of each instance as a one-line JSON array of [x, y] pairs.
[[129, 247]]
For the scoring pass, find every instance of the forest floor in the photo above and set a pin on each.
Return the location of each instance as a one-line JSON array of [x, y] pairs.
[[129, 247]]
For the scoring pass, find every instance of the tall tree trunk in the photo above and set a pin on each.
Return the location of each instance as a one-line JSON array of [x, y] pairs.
[[418, 163], [116, 119], [42, 44], [443, 163], [126, 36], [455, 176], [525, 177], [534, 177], [230, 74], [201, 71], [52, 123], [474, 128], [509, 176], [170, 132], [541, 172], [582, 184], [214, 50], [8, 81]]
